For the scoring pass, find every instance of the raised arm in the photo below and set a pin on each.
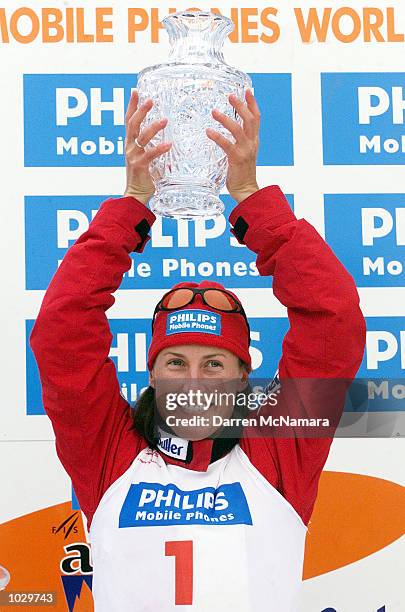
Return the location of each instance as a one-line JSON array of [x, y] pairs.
[[71, 338], [327, 330]]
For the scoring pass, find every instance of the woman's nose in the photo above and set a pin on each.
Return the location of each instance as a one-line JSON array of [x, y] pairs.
[[194, 373]]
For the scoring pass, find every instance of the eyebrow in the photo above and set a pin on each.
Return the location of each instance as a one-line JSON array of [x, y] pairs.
[[203, 356]]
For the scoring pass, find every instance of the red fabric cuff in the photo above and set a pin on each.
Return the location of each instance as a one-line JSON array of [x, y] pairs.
[[128, 213], [266, 209]]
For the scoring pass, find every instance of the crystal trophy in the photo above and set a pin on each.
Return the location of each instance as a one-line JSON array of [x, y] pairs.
[[185, 89]]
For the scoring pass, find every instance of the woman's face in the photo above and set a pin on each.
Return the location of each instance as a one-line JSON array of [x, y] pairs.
[[187, 379]]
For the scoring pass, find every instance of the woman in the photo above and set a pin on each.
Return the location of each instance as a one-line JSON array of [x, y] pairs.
[[182, 516]]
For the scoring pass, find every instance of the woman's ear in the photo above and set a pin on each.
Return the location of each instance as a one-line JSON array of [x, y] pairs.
[[151, 379], [244, 377]]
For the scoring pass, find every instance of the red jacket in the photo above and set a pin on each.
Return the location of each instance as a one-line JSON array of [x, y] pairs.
[[71, 340]]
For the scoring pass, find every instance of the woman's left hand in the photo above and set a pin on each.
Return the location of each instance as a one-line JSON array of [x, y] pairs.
[[241, 178]]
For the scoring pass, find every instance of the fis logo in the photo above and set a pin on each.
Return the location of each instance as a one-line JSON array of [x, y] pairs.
[[193, 320], [150, 504], [81, 119], [367, 233], [363, 118], [67, 526]]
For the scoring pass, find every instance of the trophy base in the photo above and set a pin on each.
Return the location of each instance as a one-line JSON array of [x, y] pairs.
[[194, 203]]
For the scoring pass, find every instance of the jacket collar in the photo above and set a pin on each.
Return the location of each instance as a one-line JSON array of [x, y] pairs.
[[193, 455]]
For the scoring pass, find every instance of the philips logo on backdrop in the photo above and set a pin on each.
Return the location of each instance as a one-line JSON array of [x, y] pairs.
[[80, 119], [363, 118], [383, 365], [178, 250], [384, 355], [150, 504], [193, 320], [129, 350], [374, 227]]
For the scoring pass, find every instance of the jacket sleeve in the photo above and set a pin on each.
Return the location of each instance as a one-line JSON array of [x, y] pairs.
[[71, 340], [325, 340]]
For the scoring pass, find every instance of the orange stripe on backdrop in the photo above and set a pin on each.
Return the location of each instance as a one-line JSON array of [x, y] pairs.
[[32, 553], [354, 516]]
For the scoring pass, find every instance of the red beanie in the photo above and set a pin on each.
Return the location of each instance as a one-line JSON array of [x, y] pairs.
[[212, 327]]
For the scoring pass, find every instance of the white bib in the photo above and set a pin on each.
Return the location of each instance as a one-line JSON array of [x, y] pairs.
[[166, 538]]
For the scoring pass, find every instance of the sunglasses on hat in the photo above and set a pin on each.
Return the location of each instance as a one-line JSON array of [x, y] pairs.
[[217, 299]]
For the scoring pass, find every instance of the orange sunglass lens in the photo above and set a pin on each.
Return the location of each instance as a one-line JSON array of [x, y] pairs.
[[177, 299], [218, 299]]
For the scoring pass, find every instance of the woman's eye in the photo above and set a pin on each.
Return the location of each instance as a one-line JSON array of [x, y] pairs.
[[175, 361], [216, 363]]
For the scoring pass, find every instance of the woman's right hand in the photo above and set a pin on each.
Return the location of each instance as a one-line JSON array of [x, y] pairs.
[[137, 160]]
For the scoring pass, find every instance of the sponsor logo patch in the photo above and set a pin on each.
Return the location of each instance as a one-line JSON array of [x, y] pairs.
[[150, 504], [173, 447], [193, 320]]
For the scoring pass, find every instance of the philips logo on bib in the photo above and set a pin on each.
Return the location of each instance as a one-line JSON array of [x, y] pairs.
[[150, 504], [193, 320]]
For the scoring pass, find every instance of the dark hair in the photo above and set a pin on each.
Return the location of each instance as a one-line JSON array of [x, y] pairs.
[[144, 413], [143, 416]]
